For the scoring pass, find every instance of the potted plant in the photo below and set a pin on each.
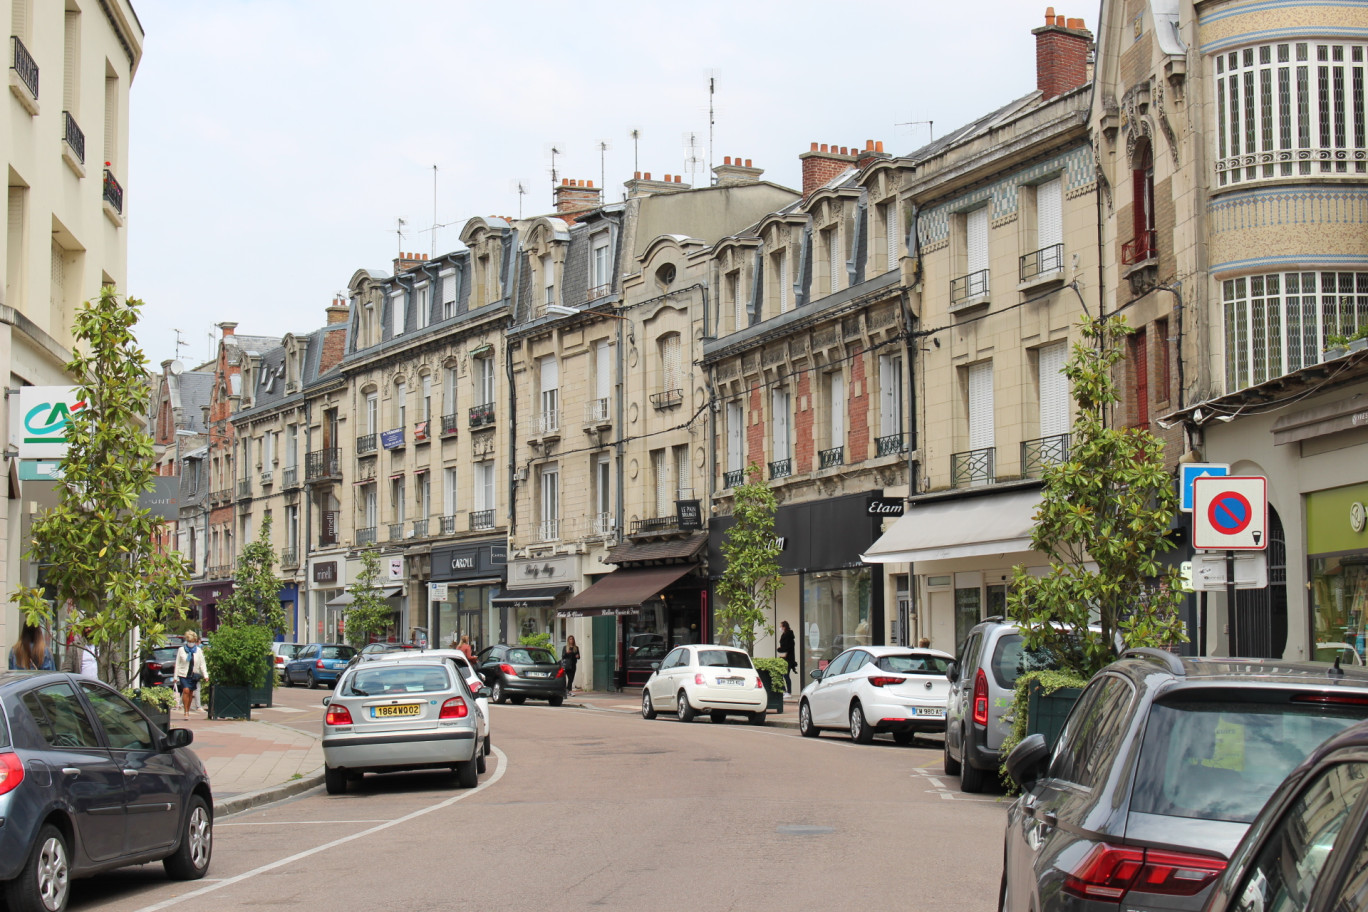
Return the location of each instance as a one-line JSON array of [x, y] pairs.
[[771, 673], [1359, 339], [156, 702], [239, 661], [1335, 346]]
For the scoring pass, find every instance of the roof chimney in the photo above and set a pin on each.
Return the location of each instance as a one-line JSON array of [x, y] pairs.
[[227, 329], [642, 185], [408, 261], [1062, 47], [577, 196], [821, 165], [735, 170], [338, 311]]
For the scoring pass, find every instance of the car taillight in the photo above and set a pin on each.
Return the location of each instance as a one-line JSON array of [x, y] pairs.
[[560, 672], [883, 681], [318, 664], [280, 660], [11, 772], [509, 670], [1108, 872], [475, 685], [981, 698], [455, 708], [699, 679], [759, 684], [1335, 699], [338, 715]]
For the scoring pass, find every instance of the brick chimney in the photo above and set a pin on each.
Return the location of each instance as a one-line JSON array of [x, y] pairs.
[[873, 151], [408, 261], [642, 185], [820, 165], [577, 196], [734, 171], [227, 329], [338, 311], [1062, 47]]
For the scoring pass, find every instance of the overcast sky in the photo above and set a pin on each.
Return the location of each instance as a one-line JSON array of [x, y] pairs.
[[275, 144]]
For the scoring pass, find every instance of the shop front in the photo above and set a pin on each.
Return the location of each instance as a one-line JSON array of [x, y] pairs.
[[204, 602], [289, 606], [465, 580], [1337, 567], [323, 622], [536, 587]]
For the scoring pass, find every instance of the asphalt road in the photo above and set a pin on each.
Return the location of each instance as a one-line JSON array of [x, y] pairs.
[[586, 808]]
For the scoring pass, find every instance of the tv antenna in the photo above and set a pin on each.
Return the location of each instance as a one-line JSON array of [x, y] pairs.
[[179, 342], [929, 124], [712, 113], [693, 156], [603, 146], [519, 187], [399, 230], [636, 148], [433, 252], [554, 149]]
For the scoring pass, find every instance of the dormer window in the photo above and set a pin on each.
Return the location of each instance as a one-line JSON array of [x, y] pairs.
[[397, 312], [422, 292], [548, 273]]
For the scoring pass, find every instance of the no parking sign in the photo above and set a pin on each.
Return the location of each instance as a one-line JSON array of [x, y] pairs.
[[1230, 513]]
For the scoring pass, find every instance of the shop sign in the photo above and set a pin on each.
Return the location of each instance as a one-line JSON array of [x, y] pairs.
[[438, 592], [884, 506], [325, 572], [164, 498], [43, 416], [396, 569], [328, 535], [392, 440], [690, 514]]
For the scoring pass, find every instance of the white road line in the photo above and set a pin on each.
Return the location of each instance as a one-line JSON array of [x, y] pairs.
[[299, 856], [246, 823], [946, 793]]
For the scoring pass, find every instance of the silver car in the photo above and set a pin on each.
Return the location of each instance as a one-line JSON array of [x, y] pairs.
[[402, 715]]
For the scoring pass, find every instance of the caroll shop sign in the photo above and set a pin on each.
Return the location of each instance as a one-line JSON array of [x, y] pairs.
[[44, 417]]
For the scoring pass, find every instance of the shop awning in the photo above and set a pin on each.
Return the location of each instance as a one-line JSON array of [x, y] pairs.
[[542, 595], [669, 549], [966, 527], [347, 598], [622, 591]]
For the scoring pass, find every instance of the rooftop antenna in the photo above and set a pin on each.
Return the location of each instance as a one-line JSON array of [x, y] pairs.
[[518, 186], [929, 124], [712, 119], [399, 230], [692, 156], [433, 252], [604, 146], [636, 148], [554, 149], [179, 342]]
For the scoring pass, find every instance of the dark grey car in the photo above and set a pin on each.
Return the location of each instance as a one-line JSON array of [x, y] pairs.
[[518, 672], [1160, 768], [88, 783]]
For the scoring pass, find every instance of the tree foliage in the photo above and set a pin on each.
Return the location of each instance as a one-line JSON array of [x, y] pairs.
[[368, 615], [748, 586], [240, 657], [1109, 503], [97, 543], [256, 590]]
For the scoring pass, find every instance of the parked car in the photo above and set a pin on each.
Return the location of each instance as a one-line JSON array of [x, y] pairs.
[[410, 714], [982, 679], [463, 667], [159, 667], [873, 689], [1306, 850], [87, 784], [518, 672], [318, 663], [1161, 766], [375, 650], [718, 680], [282, 653]]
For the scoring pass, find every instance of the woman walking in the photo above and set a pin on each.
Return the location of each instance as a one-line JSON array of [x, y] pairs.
[[30, 652], [570, 657], [786, 652], [190, 669]]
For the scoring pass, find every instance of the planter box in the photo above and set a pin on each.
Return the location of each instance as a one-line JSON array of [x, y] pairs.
[[229, 702], [262, 696], [160, 717], [776, 697], [1046, 713]]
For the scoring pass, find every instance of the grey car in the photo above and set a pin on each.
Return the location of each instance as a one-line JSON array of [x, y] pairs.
[[87, 784], [1161, 766]]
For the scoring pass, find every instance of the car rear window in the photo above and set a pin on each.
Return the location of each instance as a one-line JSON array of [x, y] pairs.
[[1011, 659], [1219, 757], [531, 657], [288, 650], [338, 652], [377, 680], [723, 658], [913, 664]]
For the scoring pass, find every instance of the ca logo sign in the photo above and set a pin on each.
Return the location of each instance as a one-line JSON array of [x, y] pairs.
[[47, 421]]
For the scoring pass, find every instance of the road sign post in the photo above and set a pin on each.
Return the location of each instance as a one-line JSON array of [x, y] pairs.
[[1230, 513]]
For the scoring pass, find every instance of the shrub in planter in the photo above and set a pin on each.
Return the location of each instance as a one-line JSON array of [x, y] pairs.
[[241, 656], [155, 701], [1064, 684], [772, 673]]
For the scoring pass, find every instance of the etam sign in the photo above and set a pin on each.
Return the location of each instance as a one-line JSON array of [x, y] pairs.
[[39, 429]]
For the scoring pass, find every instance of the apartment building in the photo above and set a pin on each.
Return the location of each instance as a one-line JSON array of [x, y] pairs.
[[177, 421]]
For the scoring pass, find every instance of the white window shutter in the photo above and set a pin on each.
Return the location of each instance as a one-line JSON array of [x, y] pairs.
[[1049, 213], [891, 235], [602, 373], [1054, 391], [734, 436], [838, 407], [981, 406], [977, 248]]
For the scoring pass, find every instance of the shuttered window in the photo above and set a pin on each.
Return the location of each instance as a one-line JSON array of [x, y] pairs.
[[683, 488], [671, 376], [602, 371], [781, 280], [981, 406], [834, 266], [836, 402], [890, 395], [1049, 213], [1054, 391], [550, 393], [891, 239], [550, 501], [448, 295], [976, 248], [735, 436], [660, 467], [397, 313], [779, 405]]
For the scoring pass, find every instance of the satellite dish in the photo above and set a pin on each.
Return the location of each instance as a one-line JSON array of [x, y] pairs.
[[176, 368]]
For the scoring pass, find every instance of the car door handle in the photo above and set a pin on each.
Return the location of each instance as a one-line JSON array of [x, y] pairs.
[[71, 771], [129, 774]]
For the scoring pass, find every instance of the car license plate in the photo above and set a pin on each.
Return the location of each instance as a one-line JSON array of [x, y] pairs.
[[539, 674], [935, 711], [385, 712], [731, 682]]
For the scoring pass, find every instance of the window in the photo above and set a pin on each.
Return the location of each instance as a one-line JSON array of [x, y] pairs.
[[1054, 390], [450, 380], [484, 486], [425, 412], [292, 446], [1139, 365], [60, 718], [424, 493], [981, 405], [660, 471], [397, 312], [735, 437], [550, 394], [424, 304], [976, 242], [369, 514], [111, 120], [1292, 108], [484, 381], [833, 391], [683, 486], [372, 413], [779, 270], [550, 503], [603, 381], [1142, 206], [1095, 727], [600, 265], [400, 404], [1279, 323], [832, 240], [450, 498], [780, 411], [1049, 225], [292, 527], [397, 501], [548, 276], [671, 369], [603, 495], [125, 727], [892, 239], [448, 294], [732, 284], [890, 395]]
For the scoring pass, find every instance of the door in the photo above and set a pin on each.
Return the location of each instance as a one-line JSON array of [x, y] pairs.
[[604, 635], [827, 700]]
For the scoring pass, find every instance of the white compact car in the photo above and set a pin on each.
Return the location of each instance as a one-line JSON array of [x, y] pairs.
[[871, 689], [467, 671], [717, 680]]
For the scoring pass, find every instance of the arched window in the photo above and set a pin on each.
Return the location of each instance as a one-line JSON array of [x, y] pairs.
[[1142, 204]]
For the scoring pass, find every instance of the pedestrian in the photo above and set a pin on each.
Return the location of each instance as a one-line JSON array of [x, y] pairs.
[[464, 648], [924, 643], [190, 669], [786, 652], [570, 657], [30, 652], [89, 661]]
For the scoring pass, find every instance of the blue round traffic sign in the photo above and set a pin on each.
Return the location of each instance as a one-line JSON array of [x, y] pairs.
[[1230, 512]]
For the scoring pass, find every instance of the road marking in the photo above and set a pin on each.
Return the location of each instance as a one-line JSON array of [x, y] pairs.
[[308, 853], [947, 794], [283, 709], [297, 822]]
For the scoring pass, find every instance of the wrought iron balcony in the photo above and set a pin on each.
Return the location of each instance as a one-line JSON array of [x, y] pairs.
[[734, 479], [289, 477], [890, 445], [365, 536], [323, 464], [365, 444], [968, 287], [113, 192], [668, 399], [1041, 452], [420, 528], [605, 524], [548, 530], [1042, 262], [73, 136], [396, 531], [832, 457], [289, 557], [972, 468], [481, 519], [781, 468], [596, 412], [481, 415], [548, 422], [1140, 249], [24, 65], [655, 524], [600, 291], [450, 424], [448, 524]]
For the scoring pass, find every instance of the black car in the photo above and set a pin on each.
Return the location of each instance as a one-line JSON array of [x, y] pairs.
[[159, 667], [1162, 764], [89, 783], [1308, 848], [518, 672]]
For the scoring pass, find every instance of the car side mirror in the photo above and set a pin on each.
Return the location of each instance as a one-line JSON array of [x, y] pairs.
[[816, 674], [326, 700], [952, 672], [1027, 761], [179, 737], [655, 666]]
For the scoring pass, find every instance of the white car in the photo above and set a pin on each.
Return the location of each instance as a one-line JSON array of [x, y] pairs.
[[467, 671], [872, 689], [717, 680]]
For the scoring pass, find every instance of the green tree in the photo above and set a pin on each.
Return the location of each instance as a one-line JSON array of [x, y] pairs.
[[751, 580], [256, 590], [98, 544], [368, 613], [1109, 503]]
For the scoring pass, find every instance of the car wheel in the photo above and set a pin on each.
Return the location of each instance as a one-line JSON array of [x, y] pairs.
[[313, 682], [286, 679], [757, 718], [972, 778], [334, 780], [487, 748], [191, 859], [45, 882], [480, 764], [496, 692], [805, 726], [647, 707], [952, 766], [555, 701], [683, 709], [467, 774], [860, 730], [904, 738], [518, 700]]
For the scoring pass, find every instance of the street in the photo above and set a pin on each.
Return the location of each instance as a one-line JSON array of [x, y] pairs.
[[596, 807]]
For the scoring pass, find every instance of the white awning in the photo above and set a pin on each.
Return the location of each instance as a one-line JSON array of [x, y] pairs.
[[967, 527]]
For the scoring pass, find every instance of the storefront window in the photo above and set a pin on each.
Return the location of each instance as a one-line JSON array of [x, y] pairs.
[[1339, 593], [836, 615], [968, 612], [467, 610]]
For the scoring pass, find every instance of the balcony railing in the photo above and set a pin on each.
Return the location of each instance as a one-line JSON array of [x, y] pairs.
[[655, 524], [734, 479], [365, 536], [781, 468], [217, 571], [450, 424], [548, 422], [267, 478], [1042, 262], [481, 519], [832, 457], [289, 557], [968, 287], [420, 528], [972, 467], [1140, 249], [113, 192], [420, 431], [890, 445], [480, 415], [448, 524], [1041, 452], [600, 291], [289, 476], [548, 530], [396, 531], [323, 464], [73, 136], [244, 487], [668, 399], [605, 524], [223, 495], [365, 444], [24, 65], [596, 411]]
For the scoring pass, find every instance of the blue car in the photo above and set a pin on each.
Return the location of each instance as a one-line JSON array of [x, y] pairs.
[[318, 663]]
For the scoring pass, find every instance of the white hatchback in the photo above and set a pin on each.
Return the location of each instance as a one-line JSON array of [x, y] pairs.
[[871, 689], [717, 680]]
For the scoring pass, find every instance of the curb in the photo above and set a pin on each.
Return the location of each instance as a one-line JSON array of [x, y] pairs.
[[248, 800]]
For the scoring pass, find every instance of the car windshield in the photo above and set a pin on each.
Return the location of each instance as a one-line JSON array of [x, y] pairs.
[[378, 680], [723, 658], [914, 664], [531, 657], [1218, 759], [1011, 660], [338, 652]]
